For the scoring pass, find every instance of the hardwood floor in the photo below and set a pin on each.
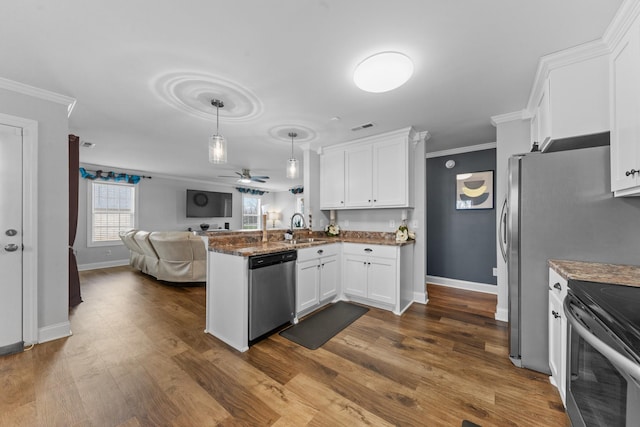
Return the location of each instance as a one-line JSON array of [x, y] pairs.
[[139, 357]]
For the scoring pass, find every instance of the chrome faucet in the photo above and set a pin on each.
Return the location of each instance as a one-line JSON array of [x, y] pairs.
[[301, 217], [290, 230]]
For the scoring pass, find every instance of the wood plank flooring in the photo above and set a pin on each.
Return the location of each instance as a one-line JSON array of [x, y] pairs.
[[139, 357]]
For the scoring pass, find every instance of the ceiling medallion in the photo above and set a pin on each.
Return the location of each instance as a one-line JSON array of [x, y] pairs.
[[192, 93], [383, 72]]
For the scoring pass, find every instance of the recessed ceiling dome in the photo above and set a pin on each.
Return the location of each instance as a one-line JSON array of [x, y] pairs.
[[383, 72]]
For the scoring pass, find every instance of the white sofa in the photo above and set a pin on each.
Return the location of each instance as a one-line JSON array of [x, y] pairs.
[[172, 256]]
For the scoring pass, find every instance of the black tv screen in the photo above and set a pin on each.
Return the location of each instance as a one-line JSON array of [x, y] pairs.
[[208, 204]]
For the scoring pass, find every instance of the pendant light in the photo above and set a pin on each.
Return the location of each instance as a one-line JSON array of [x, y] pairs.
[[292, 165], [217, 143]]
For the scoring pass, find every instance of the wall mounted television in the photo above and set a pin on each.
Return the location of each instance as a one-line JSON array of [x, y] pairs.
[[208, 204]]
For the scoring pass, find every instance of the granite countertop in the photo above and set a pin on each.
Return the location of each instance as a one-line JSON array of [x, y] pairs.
[[617, 274], [261, 248]]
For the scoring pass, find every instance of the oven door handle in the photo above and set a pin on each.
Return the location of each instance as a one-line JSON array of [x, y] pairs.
[[621, 362]]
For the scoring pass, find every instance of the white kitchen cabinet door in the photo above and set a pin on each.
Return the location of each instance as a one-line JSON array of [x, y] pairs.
[[381, 280], [355, 275], [625, 114], [557, 332], [390, 173], [332, 180], [328, 277], [307, 285], [358, 171]]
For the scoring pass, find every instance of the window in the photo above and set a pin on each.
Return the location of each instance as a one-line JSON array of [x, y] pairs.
[[250, 213], [112, 210]]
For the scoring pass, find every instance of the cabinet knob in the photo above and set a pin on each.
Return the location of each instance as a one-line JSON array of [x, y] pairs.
[[557, 286], [631, 172], [555, 314], [375, 200], [368, 250], [369, 200], [320, 251]]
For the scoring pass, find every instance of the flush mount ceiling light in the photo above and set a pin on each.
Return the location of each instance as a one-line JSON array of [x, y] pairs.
[[383, 72], [292, 165], [217, 143]]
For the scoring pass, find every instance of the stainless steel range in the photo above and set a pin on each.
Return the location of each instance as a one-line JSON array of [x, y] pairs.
[[603, 354]]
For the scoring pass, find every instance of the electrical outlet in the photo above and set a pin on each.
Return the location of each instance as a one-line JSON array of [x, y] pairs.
[[392, 223], [495, 272]]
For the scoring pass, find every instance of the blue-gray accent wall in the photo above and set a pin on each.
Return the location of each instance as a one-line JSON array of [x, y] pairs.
[[461, 244]]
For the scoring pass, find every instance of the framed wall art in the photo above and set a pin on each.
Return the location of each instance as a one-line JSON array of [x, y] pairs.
[[474, 190]]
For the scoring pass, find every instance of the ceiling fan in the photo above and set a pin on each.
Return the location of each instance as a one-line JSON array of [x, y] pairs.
[[245, 177]]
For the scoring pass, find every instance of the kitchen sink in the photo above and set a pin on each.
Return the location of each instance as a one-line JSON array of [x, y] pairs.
[[302, 241]]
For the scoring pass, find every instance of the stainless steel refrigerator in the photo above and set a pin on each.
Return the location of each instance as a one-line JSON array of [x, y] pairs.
[[559, 205]]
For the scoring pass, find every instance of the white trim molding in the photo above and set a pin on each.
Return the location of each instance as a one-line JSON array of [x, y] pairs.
[[509, 117], [463, 284], [30, 224], [39, 93], [628, 11], [420, 297], [105, 264], [54, 332], [502, 314], [562, 58], [462, 150]]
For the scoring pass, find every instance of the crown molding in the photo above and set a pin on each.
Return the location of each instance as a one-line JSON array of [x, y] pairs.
[[462, 150], [509, 117], [628, 11], [548, 63], [38, 93]]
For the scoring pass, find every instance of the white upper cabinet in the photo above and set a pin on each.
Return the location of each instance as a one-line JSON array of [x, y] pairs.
[[377, 173], [625, 114], [358, 173], [332, 180], [573, 100]]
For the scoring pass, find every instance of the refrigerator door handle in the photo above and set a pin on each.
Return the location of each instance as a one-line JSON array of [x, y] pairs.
[[503, 230]]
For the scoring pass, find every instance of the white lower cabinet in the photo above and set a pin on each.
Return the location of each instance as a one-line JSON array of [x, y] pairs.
[[378, 275], [317, 277], [557, 332]]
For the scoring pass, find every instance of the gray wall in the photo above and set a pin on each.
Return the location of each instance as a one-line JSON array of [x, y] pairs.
[[461, 243], [161, 207], [53, 205]]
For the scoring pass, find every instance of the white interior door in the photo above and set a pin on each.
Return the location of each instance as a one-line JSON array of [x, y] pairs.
[[11, 338]]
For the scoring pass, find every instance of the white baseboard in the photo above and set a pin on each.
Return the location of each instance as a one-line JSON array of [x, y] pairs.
[[502, 314], [463, 284], [54, 332], [420, 297], [106, 264]]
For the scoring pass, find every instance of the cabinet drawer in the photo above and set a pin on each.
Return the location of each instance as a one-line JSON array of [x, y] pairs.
[[372, 250], [316, 252]]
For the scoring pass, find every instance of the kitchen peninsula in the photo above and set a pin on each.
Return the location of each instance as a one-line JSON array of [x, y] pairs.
[[370, 268]]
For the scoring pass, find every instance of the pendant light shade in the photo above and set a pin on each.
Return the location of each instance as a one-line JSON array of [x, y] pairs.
[[292, 165], [217, 142]]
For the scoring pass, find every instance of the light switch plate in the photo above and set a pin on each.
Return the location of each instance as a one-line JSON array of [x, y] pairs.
[[495, 272]]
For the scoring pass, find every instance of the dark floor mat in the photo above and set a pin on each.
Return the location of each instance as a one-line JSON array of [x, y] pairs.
[[320, 327]]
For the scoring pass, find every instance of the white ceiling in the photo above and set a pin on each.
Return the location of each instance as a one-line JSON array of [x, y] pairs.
[[144, 72]]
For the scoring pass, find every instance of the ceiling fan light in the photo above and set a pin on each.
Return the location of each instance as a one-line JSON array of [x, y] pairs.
[[383, 72], [244, 181], [292, 169], [217, 149]]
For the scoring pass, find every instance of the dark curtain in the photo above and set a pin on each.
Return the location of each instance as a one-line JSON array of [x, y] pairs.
[[74, 164]]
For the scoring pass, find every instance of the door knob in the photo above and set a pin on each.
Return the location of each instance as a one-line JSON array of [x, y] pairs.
[[11, 247]]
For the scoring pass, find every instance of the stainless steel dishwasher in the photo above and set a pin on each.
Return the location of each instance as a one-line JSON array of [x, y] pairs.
[[272, 293]]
